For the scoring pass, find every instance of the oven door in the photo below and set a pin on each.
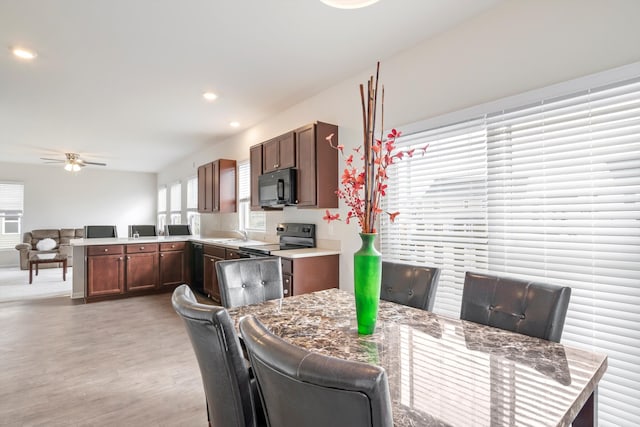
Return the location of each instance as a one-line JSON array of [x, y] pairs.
[[249, 253]]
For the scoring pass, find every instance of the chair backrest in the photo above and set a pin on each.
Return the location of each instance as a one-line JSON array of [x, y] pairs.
[[249, 280], [530, 308], [100, 231], [177, 230], [223, 368], [300, 388], [410, 285], [142, 230]]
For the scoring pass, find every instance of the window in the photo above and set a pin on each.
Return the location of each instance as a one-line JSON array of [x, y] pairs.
[[247, 219], [11, 211], [175, 203], [162, 208], [545, 190], [193, 217], [443, 218]]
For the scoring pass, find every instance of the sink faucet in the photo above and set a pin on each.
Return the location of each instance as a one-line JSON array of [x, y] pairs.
[[243, 233]]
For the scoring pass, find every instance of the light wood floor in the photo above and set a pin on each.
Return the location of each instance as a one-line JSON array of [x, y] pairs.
[[117, 363]]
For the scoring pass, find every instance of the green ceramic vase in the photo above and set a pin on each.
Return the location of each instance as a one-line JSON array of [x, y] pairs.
[[367, 271]]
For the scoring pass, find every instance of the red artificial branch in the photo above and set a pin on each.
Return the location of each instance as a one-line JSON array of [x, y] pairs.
[[363, 189]]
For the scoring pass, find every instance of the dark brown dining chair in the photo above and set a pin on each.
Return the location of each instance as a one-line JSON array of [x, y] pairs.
[[177, 230], [231, 394], [142, 230], [411, 285], [249, 280], [100, 231], [531, 308], [300, 388]]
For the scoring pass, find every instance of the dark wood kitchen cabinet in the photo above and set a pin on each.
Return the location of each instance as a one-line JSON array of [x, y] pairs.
[[141, 271], [205, 188], [105, 270], [173, 263], [315, 160], [212, 254], [310, 274], [217, 186], [317, 164], [255, 165], [117, 271], [279, 153]]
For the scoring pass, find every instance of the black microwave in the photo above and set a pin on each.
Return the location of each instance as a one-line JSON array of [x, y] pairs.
[[278, 188]]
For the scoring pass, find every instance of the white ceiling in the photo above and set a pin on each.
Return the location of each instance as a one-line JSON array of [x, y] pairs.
[[121, 81]]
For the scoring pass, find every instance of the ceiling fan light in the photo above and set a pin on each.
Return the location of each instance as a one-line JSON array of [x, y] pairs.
[[24, 53], [75, 167], [349, 4], [68, 167]]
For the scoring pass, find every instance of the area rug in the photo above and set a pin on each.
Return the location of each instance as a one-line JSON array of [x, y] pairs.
[[14, 284]]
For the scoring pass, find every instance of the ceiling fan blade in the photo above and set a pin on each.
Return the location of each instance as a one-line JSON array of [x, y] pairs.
[[53, 160], [93, 163]]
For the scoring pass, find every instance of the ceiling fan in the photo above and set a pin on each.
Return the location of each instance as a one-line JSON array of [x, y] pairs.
[[73, 162]]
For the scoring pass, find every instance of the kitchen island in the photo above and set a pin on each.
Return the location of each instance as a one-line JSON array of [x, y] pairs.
[[123, 267]]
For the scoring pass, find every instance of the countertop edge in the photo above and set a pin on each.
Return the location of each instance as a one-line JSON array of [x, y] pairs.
[[291, 253]]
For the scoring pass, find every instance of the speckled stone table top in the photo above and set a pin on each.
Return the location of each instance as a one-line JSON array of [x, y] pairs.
[[443, 371]]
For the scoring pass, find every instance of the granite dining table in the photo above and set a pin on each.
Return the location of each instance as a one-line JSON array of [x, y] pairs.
[[444, 371]]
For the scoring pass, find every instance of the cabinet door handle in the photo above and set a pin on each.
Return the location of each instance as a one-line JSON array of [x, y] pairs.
[[276, 165], [120, 259], [106, 250], [141, 248], [161, 255], [128, 257]]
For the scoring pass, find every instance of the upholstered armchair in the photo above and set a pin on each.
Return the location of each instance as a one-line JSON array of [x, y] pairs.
[[61, 237]]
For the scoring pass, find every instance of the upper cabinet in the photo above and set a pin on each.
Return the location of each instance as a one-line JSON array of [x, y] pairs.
[[279, 153], [317, 164], [307, 150], [217, 186], [205, 188], [255, 165]]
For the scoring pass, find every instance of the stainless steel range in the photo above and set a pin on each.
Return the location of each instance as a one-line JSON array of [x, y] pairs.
[[292, 235]]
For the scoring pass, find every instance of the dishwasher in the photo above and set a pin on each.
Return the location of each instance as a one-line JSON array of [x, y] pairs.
[[197, 268]]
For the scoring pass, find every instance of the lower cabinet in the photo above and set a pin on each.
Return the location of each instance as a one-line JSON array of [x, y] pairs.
[[173, 263], [105, 270], [141, 271], [310, 274], [212, 254], [131, 269]]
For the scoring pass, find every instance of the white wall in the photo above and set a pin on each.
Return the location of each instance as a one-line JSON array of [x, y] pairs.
[[55, 198], [519, 46]]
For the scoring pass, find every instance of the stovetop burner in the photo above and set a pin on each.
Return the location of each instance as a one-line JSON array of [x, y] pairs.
[[292, 236]]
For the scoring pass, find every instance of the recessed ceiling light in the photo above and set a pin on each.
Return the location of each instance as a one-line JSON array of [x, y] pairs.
[[209, 96], [234, 124], [23, 53], [349, 4]]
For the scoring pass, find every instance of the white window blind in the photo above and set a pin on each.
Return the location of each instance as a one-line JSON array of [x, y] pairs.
[[175, 203], [162, 199], [162, 208], [564, 206], [244, 181], [548, 191], [11, 211], [247, 219], [442, 202], [192, 193], [193, 217]]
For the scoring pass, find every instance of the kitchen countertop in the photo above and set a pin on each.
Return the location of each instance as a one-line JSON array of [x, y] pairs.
[[304, 253], [225, 242]]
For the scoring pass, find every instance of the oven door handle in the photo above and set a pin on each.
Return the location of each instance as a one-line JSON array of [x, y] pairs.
[[247, 254]]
